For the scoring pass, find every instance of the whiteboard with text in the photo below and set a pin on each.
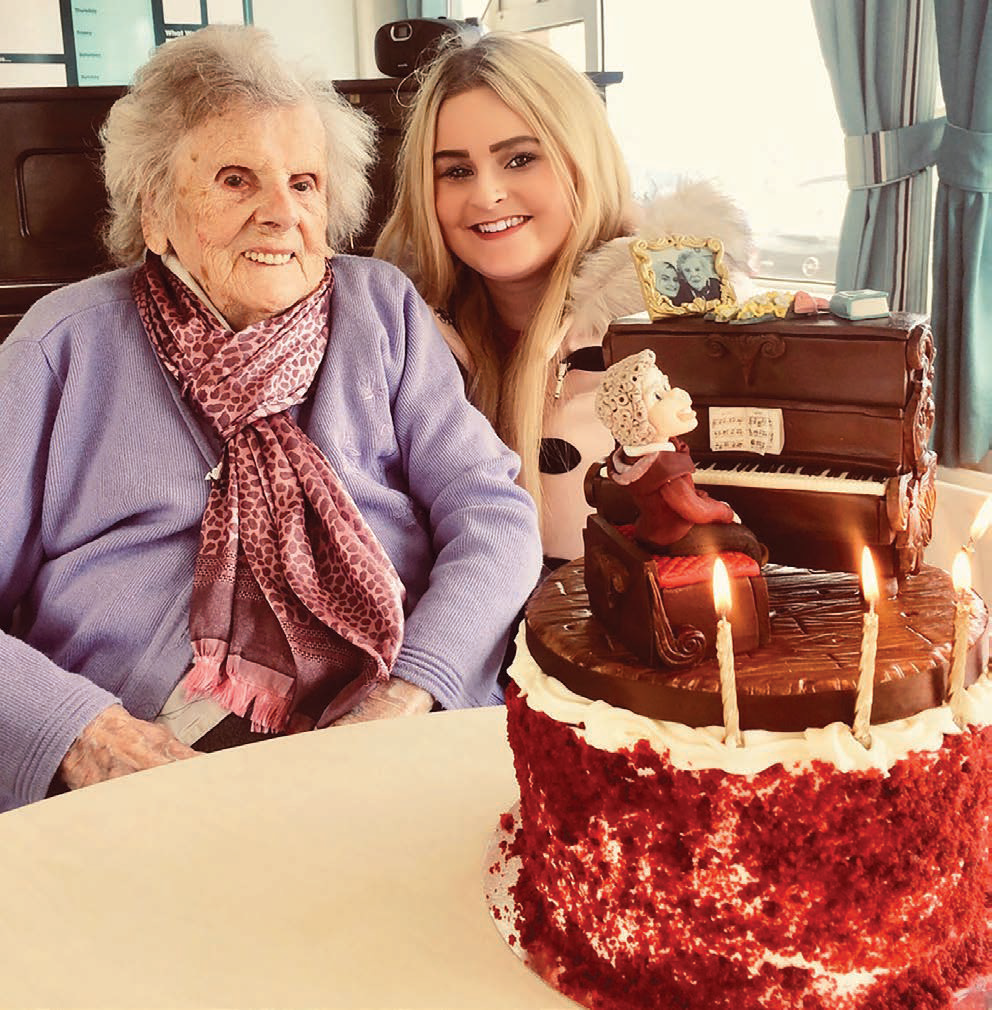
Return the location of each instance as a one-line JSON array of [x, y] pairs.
[[92, 42]]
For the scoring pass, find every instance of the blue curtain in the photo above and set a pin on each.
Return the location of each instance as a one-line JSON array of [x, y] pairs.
[[880, 55], [962, 260]]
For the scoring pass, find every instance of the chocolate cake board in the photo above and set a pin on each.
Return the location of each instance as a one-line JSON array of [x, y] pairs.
[[806, 676]]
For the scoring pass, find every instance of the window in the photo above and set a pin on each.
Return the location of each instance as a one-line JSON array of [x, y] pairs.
[[570, 27], [750, 108], [733, 92]]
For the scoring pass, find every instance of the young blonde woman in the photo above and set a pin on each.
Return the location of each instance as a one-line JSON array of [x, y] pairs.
[[513, 204]]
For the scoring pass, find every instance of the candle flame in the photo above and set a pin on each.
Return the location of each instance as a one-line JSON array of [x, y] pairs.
[[961, 572], [982, 521], [721, 588], [869, 581]]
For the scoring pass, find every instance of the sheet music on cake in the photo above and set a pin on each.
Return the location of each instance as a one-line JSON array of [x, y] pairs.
[[747, 429]]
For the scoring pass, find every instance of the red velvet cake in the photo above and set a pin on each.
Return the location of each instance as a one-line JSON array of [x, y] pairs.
[[660, 867]]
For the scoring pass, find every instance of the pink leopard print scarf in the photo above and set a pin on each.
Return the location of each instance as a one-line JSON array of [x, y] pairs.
[[296, 609]]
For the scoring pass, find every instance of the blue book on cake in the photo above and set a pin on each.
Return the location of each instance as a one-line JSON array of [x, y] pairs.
[[862, 304]]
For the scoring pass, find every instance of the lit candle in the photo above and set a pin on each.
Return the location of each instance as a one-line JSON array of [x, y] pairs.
[[725, 656], [961, 576], [869, 644], [980, 524]]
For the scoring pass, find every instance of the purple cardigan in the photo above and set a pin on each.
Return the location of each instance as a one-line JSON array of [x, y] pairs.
[[102, 490]]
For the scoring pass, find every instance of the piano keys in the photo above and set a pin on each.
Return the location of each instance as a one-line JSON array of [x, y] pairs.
[[780, 477], [854, 404]]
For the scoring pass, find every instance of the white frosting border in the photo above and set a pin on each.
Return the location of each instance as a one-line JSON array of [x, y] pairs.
[[609, 728]]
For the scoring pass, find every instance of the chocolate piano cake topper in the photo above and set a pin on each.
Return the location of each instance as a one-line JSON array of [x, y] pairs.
[[646, 416], [853, 466]]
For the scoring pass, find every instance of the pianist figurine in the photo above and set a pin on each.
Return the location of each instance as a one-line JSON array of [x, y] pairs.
[[646, 415]]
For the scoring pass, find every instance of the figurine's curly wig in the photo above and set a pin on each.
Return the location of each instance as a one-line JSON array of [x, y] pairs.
[[194, 78], [621, 399]]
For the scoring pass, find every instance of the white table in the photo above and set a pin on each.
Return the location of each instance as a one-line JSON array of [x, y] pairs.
[[335, 869], [341, 868]]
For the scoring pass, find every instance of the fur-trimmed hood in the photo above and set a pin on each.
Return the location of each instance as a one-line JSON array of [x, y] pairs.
[[606, 285]]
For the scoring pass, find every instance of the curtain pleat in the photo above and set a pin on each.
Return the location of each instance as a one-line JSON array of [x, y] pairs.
[[880, 58], [962, 259]]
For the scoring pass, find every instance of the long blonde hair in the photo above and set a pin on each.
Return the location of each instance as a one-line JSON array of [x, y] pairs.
[[568, 117]]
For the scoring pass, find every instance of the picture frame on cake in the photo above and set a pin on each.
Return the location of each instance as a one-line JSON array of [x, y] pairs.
[[681, 275]]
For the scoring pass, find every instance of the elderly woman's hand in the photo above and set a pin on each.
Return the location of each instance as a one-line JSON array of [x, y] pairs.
[[115, 743], [387, 700]]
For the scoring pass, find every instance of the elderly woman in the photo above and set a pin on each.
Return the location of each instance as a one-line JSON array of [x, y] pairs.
[[697, 268], [359, 548]]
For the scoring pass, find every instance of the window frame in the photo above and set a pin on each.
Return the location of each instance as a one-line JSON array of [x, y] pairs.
[[535, 15]]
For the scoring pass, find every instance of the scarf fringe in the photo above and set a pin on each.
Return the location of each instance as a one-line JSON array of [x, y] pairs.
[[217, 677]]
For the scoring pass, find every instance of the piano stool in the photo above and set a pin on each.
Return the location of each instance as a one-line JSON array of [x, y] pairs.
[[661, 608]]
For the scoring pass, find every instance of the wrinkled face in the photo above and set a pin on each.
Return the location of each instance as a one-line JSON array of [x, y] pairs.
[[669, 410], [502, 210], [667, 279], [696, 270], [251, 210]]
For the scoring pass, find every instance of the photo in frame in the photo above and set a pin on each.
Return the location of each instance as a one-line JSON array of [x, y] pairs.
[[681, 275]]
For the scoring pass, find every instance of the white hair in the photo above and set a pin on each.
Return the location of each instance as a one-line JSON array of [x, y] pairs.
[[202, 75]]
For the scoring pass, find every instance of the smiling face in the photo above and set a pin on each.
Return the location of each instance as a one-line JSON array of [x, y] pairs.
[[251, 210], [502, 209], [697, 270], [669, 410], [667, 279]]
